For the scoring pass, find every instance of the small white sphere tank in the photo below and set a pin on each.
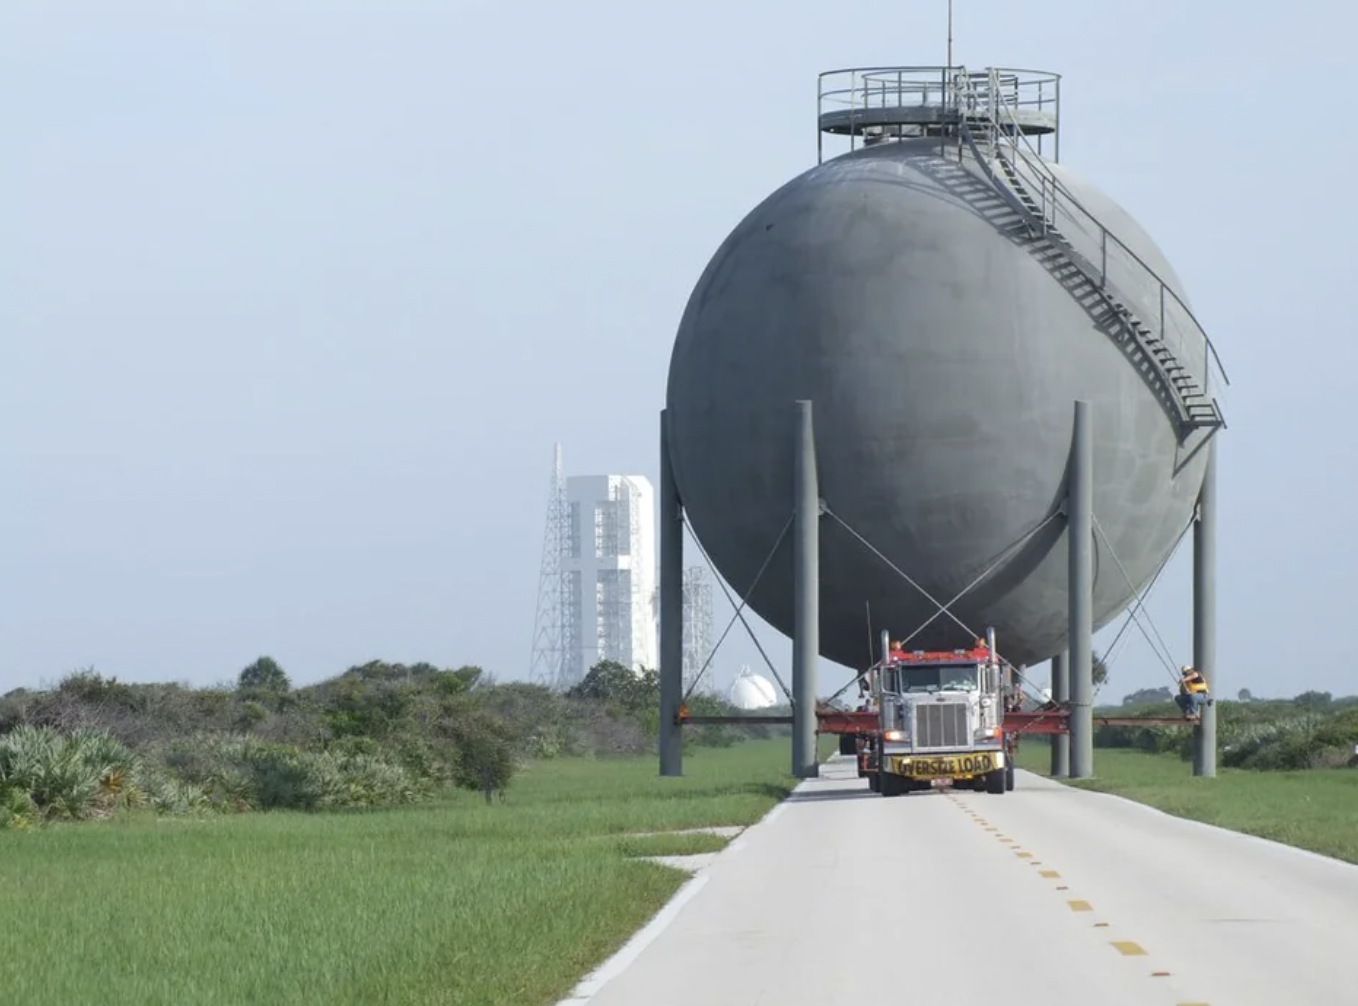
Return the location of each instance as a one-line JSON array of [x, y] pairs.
[[752, 691]]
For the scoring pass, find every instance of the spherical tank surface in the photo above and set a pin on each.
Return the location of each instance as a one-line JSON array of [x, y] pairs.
[[751, 691], [943, 362]]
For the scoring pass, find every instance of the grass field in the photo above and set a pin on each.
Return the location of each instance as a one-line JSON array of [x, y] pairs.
[[456, 903], [1315, 809]]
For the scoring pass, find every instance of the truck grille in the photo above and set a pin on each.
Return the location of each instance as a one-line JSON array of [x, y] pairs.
[[941, 725]]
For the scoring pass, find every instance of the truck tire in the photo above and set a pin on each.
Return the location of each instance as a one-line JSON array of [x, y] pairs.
[[994, 782], [848, 744], [1009, 777]]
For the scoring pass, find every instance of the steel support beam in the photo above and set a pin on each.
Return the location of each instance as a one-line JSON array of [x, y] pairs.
[[1080, 536], [1061, 693], [806, 591], [1205, 615], [671, 612]]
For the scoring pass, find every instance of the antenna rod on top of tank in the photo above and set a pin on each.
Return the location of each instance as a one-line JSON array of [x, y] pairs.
[[949, 36], [867, 606]]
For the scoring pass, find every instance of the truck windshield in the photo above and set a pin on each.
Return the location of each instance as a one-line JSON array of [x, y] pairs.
[[933, 678]]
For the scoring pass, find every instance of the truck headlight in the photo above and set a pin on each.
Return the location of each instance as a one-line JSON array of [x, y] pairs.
[[896, 735], [986, 733]]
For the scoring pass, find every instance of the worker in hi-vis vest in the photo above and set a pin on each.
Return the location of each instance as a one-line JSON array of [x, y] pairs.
[[1192, 693]]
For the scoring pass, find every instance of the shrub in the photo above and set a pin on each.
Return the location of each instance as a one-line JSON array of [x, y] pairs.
[[244, 773], [72, 776], [485, 753], [1269, 735], [16, 809]]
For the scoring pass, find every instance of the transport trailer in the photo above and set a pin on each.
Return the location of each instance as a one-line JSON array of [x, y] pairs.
[[935, 700]]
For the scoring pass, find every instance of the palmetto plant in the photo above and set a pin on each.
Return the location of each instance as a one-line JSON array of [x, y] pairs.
[[16, 809], [72, 776]]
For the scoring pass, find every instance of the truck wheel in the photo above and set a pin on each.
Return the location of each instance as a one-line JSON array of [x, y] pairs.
[[994, 781], [848, 744], [1009, 776]]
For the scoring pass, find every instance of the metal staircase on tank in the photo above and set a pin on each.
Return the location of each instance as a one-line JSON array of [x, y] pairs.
[[989, 126], [999, 119]]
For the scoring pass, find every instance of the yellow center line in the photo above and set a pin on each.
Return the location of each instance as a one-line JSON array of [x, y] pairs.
[[1129, 949], [1024, 855], [1050, 873], [1080, 906]]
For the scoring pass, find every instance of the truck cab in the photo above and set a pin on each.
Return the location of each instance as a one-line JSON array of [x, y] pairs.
[[941, 719]]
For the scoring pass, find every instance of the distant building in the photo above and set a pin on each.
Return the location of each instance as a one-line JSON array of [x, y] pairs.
[[697, 625], [608, 574]]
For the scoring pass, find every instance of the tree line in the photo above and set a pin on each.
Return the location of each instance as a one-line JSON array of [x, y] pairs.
[[379, 734]]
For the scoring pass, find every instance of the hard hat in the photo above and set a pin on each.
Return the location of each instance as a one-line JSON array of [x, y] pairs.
[[1186, 669]]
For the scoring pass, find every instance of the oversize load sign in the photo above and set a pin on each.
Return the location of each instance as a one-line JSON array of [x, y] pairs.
[[960, 765]]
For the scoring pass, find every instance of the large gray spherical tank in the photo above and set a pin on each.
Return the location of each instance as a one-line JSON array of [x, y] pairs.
[[943, 362]]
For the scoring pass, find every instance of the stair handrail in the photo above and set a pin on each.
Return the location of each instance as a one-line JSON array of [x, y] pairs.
[[1007, 191], [1046, 179]]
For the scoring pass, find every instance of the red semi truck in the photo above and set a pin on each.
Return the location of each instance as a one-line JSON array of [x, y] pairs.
[[933, 719]]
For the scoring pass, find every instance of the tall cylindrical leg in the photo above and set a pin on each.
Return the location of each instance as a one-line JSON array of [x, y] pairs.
[[1080, 534], [1205, 615], [671, 612], [1060, 693], [806, 590]]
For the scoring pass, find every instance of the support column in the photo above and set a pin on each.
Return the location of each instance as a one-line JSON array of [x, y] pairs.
[[1080, 535], [1205, 615], [1061, 693], [671, 612], [806, 596]]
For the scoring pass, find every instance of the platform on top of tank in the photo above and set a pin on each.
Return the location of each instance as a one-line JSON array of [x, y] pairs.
[[846, 121]]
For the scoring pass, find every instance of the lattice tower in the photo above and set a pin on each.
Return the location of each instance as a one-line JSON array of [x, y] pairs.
[[697, 624], [552, 633]]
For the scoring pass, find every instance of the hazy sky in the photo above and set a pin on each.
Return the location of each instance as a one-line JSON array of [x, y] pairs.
[[296, 297]]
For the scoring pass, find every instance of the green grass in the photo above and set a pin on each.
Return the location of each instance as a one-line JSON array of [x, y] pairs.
[[671, 845], [456, 903], [1314, 809]]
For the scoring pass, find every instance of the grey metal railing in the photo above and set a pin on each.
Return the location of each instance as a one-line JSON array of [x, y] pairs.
[[1118, 268]]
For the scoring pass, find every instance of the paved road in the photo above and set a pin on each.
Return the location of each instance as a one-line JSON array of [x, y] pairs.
[[1046, 896]]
